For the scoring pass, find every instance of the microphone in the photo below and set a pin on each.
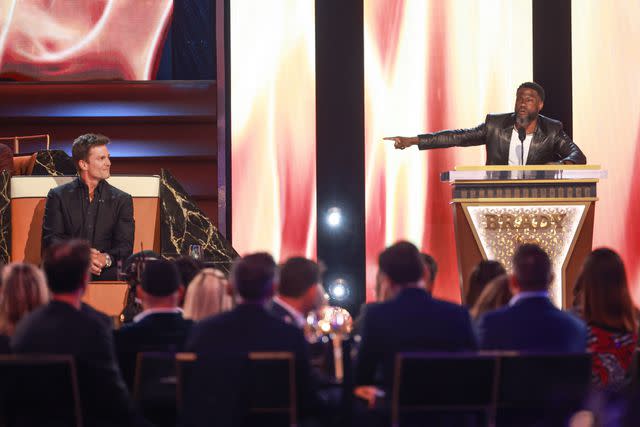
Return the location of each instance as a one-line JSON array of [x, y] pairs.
[[522, 135]]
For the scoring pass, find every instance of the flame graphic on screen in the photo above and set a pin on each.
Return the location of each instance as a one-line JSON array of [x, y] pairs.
[[273, 127], [432, 65], [82, 39], [606, 120]]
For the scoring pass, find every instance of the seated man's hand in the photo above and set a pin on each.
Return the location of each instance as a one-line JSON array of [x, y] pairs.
[[402, 142], [98, 261], [368, 393]]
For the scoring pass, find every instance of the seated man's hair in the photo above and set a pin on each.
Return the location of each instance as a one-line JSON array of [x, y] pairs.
[[160, 278], [252, 276], [66, 265], [402, 263], [532, 268], [535, 86], [297, 275], [84, 143]]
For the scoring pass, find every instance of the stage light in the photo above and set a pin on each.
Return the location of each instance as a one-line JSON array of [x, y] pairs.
[[339, 290], [334, 217]]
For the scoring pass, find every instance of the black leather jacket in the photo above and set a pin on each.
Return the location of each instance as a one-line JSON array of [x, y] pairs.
[[549, 144]]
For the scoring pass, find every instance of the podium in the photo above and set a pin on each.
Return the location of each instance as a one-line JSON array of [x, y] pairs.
[[498, 208]]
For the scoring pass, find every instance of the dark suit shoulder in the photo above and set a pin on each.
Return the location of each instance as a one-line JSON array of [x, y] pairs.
[[549, 122], [116, 192], [498, 118], [61, 189]]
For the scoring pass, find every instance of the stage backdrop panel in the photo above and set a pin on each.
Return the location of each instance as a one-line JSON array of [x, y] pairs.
[[273, 155], [431, 65], [606, 119]]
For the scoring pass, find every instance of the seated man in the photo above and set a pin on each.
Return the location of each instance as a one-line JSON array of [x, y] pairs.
[[160, 327], [531, 322], [61, 327], [411, 320], [299, 291], [91, 209], [249, 327]]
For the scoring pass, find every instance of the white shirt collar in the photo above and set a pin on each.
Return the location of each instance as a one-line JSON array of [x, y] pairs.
[[151, 311], [528, 294], [298, 318]]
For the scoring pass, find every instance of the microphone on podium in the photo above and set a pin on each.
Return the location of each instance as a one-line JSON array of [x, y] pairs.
[[522, 135]]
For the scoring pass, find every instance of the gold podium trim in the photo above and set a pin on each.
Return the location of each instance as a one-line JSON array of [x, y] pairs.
[[526, 203], [527, 168], [525, 199]]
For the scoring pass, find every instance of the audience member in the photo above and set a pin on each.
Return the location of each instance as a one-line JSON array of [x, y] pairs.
[[481, 275], [495, 295], [23, 289], [249, 327], [610, 316], [161, 326], [298, 291], [206, 295], [188, 267], [430, 271], [132, 272], [60, 327], [531, 322], [411, 321]]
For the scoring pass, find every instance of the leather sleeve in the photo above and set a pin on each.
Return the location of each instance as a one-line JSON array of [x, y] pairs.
[[454, 138], [123, 231], [567, 150], [53, 222]]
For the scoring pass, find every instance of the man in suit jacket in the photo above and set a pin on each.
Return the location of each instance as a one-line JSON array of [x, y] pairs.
[[411, 321], [160, 327], [61, 327], [250, 327], [90, 208], [522, 137], [298, 291], [531, 322]]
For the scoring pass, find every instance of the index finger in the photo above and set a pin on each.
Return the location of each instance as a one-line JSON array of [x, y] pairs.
[[390, 138]]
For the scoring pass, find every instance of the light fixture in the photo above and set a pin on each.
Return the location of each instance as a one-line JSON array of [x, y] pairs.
[[339, 290], [334, 217]]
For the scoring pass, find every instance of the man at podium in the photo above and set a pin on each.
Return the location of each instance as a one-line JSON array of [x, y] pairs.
[[524, 137], [91, 209]]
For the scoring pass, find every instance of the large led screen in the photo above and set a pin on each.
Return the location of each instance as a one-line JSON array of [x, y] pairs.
[[431, 65], [606, 119], [273, 119]]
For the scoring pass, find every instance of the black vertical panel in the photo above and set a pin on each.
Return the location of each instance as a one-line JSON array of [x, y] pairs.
[[193, 40], [552, 58], [340, 142], [223, 83]]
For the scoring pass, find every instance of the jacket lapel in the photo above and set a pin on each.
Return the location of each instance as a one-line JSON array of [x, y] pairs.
[[539, 137], [505, 138]]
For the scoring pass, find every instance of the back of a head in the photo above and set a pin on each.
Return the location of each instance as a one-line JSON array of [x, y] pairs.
[[206, 295], [252, 276], [606, 296], [160, 278], [296, 276], [24, 288], [482, 274], [532, 268], [135, 264], [188, 268], [66, 265], [496, 294], [401, 263], [431, 265]]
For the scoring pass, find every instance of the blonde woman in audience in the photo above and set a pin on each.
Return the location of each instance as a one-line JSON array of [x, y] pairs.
[[23, 289], [496, 294], [207, 294]]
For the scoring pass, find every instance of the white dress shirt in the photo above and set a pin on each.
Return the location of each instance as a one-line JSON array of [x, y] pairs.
[[515, 148]]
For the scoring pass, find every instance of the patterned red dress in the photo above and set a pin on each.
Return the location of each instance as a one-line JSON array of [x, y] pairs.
[[612, 352]]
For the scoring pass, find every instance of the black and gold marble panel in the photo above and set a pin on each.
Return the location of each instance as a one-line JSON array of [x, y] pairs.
[[5, 216], [53, 163], [183, 224]]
